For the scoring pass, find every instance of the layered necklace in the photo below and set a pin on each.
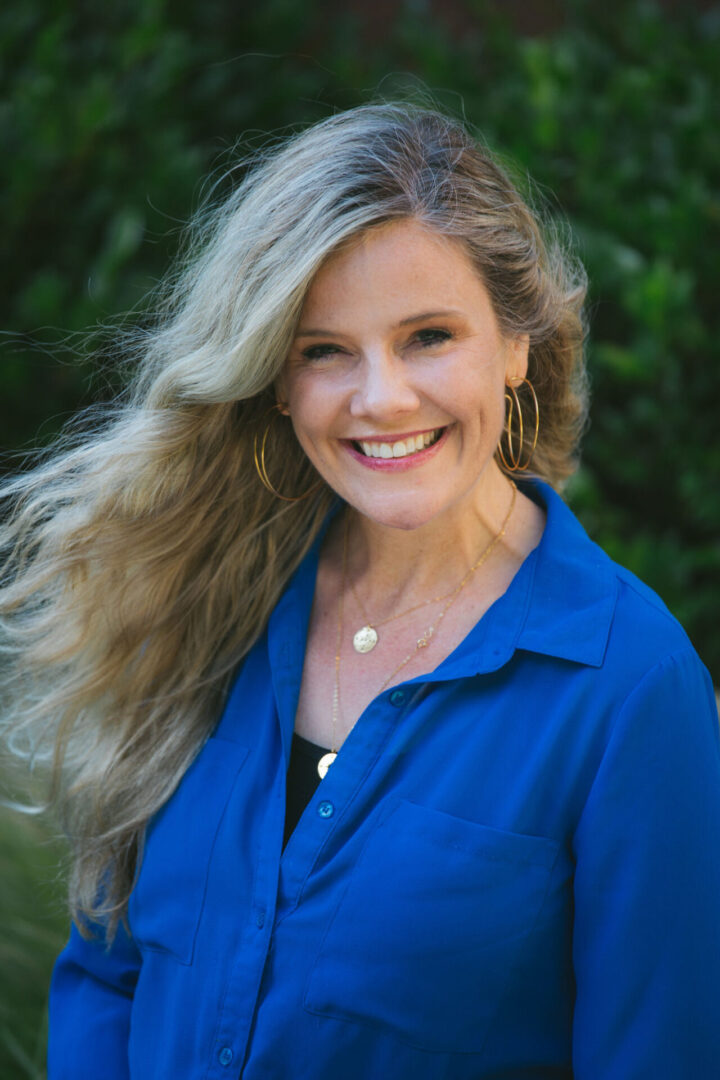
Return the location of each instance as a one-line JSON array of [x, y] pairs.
[[365, 639]]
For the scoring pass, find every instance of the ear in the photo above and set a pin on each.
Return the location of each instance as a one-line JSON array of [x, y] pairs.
[[280, 396], [516, 358]]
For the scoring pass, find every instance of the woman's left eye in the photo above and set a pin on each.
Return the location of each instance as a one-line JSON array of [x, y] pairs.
[[433, 336]]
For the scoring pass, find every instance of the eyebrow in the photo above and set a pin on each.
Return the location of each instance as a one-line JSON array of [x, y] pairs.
[[312, 332]]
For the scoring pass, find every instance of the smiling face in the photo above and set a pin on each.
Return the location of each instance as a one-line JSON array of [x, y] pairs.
[[395, 381]]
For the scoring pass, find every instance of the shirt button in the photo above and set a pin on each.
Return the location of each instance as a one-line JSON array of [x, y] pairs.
[[260, 918], [325, 809], [397, 698], [225, 1056]]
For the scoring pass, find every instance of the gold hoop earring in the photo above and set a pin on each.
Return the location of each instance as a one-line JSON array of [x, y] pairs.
[[261, 468], [514, 464]]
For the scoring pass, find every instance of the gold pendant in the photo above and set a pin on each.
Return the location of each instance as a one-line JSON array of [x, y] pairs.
[[324, 764], [365, 639]]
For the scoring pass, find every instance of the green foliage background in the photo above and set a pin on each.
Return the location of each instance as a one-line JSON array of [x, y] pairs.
[[111, 117]]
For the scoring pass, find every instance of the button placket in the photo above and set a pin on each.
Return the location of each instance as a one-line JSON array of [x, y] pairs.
[[325, 810]]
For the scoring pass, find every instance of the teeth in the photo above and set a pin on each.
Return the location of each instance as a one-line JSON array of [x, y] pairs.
[[401, 448]]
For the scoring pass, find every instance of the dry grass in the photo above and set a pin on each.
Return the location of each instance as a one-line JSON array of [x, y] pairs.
[[34, 927]]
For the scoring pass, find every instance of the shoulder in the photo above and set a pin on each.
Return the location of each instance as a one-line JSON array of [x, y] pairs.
[[642, 624], [651, 655], [587, 608]]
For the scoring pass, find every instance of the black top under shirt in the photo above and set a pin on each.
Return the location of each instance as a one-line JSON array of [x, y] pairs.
[[302, 779]]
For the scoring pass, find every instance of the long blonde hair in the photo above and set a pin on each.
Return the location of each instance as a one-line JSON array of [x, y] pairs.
[[142, 558]]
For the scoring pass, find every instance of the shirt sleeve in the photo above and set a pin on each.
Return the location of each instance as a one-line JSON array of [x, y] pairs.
[[646, 949], [91, 995]]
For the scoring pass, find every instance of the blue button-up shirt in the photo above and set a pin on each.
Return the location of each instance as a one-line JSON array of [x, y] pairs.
[[511, 870]]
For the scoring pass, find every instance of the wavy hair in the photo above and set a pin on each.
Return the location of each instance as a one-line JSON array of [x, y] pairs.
[[141, 557]]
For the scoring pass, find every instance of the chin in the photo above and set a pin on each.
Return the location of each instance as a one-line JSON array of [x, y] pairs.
[[398, 513]]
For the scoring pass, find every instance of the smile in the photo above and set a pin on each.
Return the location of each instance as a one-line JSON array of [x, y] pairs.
[[398, 455], [400, 449]]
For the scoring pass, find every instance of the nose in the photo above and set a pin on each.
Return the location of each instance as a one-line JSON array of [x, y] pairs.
[[383, 390]]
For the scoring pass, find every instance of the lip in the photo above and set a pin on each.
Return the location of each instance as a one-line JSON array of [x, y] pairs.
[[401, 464], [400, 437]]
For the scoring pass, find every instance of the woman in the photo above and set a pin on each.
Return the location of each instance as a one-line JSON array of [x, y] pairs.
[[402, 776]]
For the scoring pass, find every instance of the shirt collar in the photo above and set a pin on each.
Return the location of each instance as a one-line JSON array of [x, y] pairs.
[[574, 589], [560, 603]]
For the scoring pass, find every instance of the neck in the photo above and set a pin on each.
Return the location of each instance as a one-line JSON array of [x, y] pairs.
[[391, 564]]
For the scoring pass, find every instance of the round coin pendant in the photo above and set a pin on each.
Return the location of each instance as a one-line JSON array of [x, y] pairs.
[[324, 764], [365, 639]]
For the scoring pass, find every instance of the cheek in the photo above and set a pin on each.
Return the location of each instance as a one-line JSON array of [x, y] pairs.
[[305, 395], [301, 406], [311, 424], [495, 417], [302, 434], [479, 403], [316, 406]]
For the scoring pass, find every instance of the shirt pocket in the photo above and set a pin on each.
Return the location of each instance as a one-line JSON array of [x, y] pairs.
[[167, 901], [425, 935]]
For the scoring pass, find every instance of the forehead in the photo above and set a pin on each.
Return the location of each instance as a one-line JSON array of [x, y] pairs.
[[398, 265]]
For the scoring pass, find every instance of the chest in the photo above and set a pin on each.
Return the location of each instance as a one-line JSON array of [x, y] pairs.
[[433, 866], [338, 682]]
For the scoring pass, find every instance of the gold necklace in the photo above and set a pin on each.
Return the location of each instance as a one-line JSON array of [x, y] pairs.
[[422, 642], [327, 759], [366, 638]]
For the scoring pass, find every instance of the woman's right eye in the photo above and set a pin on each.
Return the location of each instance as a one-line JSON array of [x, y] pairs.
[[320, 352]]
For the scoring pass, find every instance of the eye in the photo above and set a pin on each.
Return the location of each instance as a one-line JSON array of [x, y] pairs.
[[320, 352], [432, 336]]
